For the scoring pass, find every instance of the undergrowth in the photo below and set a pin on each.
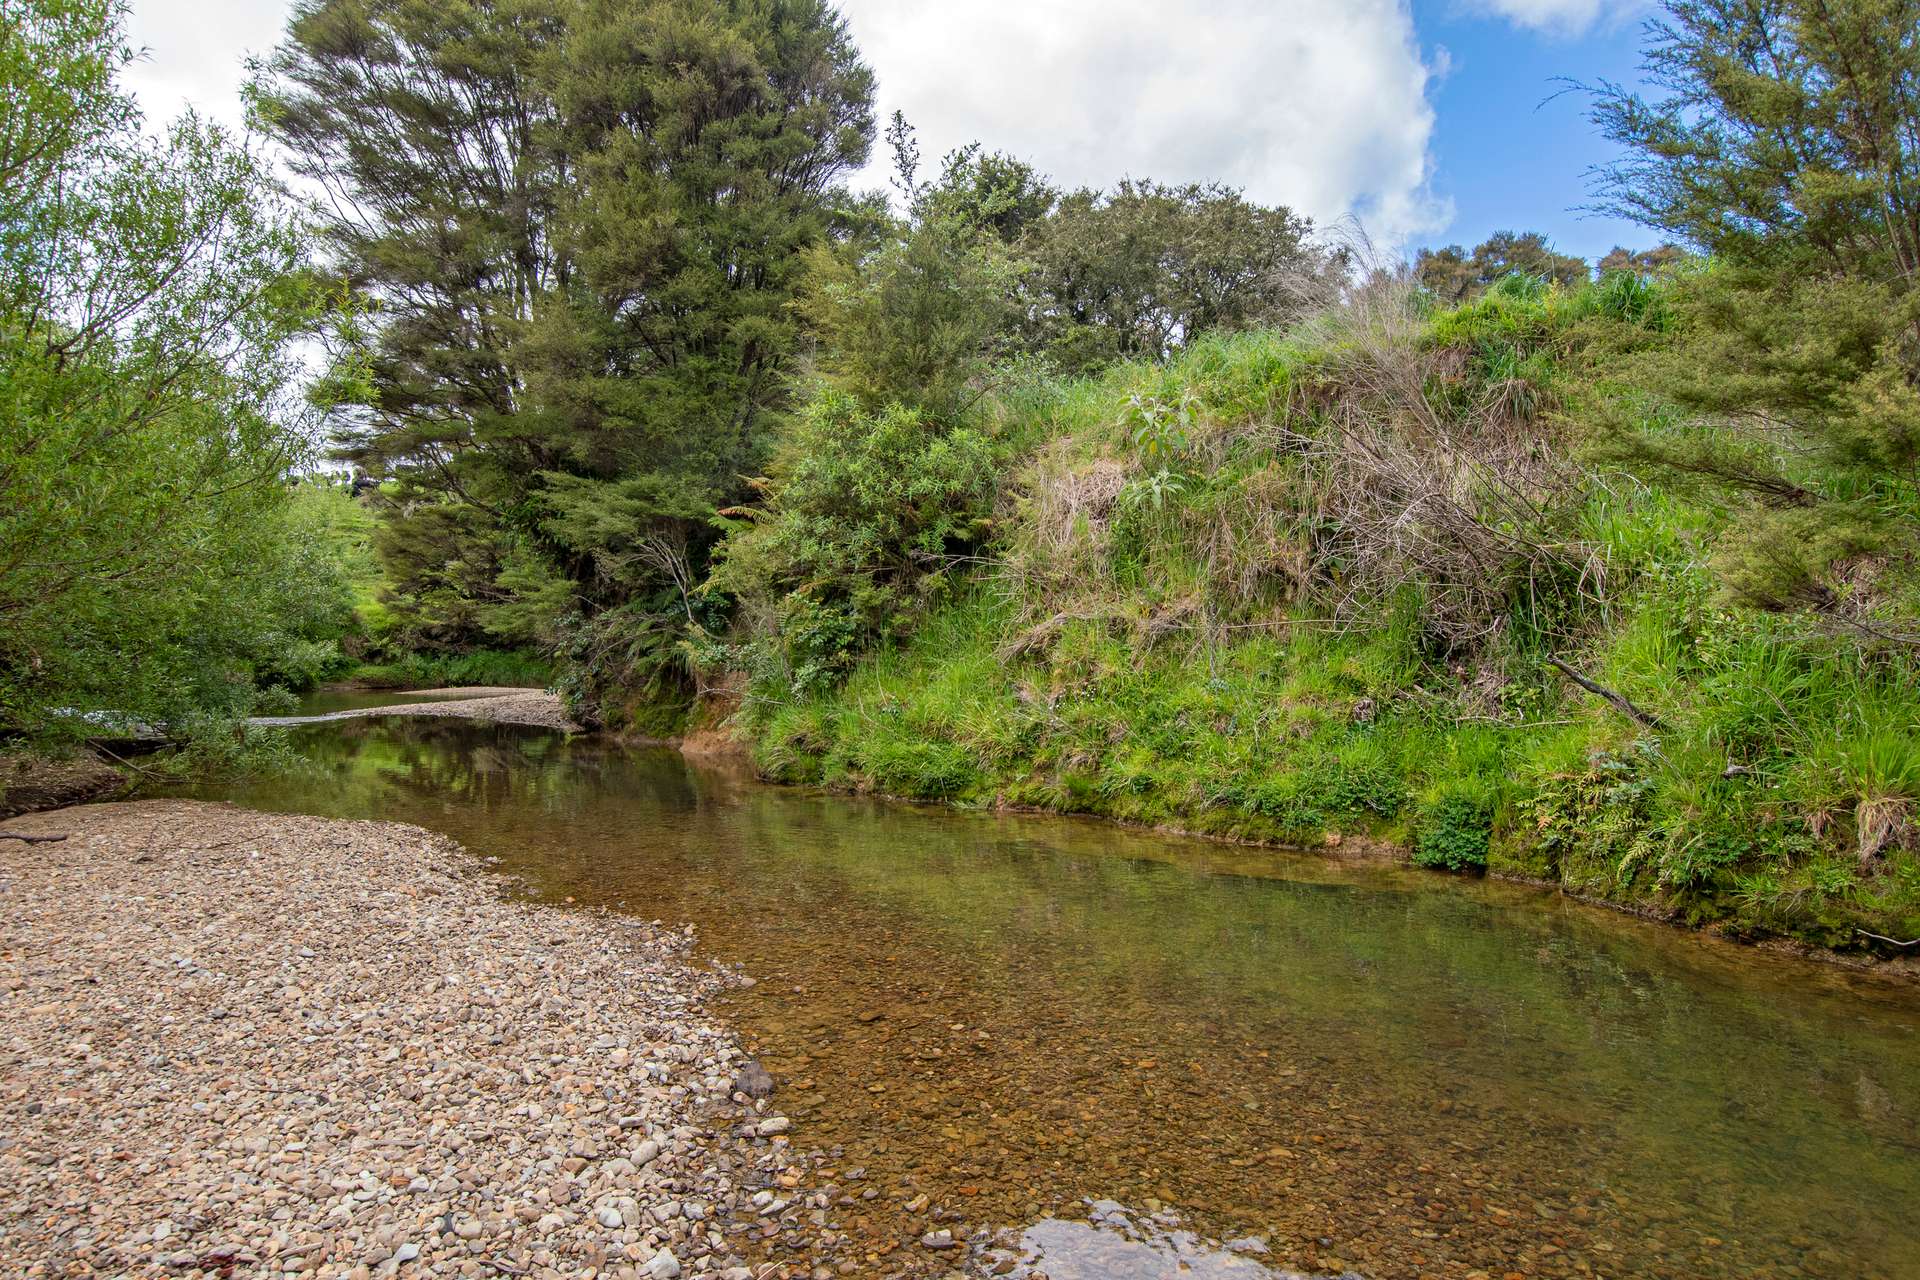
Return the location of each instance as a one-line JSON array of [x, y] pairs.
[[1300, 587], [452, 670]]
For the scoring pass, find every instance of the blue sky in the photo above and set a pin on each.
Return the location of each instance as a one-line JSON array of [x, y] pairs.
[[1506, 157], [1426, 120]]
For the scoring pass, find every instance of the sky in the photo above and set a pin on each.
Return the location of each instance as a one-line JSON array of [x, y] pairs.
[[1428, 121]]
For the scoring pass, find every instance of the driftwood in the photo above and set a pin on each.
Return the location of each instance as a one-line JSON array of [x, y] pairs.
[[23, 836], [1619, 700], [1877, 937]]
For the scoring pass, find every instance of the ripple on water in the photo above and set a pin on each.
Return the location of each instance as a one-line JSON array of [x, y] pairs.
[[1115, 1243]]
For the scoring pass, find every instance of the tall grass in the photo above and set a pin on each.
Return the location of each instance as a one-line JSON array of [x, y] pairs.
[[1300, 587]]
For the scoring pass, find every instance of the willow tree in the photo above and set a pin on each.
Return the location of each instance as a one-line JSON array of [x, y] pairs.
[[149, 311], [574, 228], [1783, 138]]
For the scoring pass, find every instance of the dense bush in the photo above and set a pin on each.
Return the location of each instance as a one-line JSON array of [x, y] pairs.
[[153, 556], [869, 512]]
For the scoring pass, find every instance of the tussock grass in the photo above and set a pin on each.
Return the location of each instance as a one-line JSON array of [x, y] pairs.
[[1293, 587]]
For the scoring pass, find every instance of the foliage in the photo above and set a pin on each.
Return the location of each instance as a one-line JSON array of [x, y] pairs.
[[1781, 145], [1662, 260], [1146, 268], [867, 513], [1452, 275], [503, 667], [150, 559], [918, 321], [573, 232], [1455, 826]]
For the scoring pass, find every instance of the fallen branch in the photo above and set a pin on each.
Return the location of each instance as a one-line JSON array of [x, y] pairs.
[[25, 838], [1619, 700], [1883, 938]]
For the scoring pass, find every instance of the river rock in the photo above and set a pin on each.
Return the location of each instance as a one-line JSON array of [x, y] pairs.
[[754, 1080]]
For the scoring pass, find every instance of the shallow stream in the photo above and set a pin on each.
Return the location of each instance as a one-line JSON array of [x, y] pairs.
[[1364, 1067]]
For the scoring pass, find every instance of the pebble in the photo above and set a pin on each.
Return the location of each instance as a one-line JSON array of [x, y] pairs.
[[448, 1088]]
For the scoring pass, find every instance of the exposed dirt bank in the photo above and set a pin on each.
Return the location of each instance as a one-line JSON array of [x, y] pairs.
[[238, 1043], [29, 783]]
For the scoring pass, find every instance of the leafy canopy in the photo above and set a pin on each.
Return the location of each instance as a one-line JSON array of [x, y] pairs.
[[149, 301]]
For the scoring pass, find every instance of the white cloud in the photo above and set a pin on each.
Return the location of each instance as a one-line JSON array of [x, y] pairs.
[[1565, 18], [1317, 104], [196, 52]]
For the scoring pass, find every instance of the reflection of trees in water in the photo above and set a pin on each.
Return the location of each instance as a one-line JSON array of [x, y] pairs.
[[1615, 1034], [1657, 1063], [491, 768]]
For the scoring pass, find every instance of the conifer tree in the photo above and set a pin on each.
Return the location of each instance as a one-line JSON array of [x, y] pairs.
[[1784, 142], [574, 226]]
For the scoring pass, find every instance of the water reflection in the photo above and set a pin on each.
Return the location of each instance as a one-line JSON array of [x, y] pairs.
[[1372, 1068]]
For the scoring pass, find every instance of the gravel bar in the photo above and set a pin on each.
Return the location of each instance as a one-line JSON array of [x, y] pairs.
[[243, 1044], [531, 707]]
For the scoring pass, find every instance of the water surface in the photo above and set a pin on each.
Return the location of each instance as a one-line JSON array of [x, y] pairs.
[[1366, 1067]]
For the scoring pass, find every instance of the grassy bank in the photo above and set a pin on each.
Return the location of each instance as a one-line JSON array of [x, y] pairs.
[[1247, 594], [453, 670]]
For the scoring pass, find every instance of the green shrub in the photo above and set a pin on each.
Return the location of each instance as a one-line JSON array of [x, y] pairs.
[[1454, 827]]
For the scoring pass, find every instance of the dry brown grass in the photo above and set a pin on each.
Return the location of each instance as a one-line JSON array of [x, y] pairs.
[[1382, 479]]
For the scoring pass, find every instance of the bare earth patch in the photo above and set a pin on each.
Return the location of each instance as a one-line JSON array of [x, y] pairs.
[[244, 1044], [29, 782]]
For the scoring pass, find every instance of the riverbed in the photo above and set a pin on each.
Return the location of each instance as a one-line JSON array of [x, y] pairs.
[[1044, 1026]]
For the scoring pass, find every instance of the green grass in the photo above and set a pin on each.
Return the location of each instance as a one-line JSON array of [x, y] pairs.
[[1161, 660], [452, 670]]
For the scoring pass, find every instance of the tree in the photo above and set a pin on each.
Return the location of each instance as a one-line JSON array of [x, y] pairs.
[[1139, 271], [576, 229], [1648, 263], [1454, 276], [914, 312], [150, 299], [1781, 143]]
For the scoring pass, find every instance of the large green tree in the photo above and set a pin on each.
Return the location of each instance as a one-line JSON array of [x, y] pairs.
[[150, 306], [1138, 271], [1453, 275], [573, 227], [1783, 139]]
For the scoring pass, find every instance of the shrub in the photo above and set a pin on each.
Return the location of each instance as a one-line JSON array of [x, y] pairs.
[[1455, 825], [867, 513]]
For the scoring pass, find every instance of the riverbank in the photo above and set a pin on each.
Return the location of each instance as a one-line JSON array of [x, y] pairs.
[[240, 1042], [30, 782]]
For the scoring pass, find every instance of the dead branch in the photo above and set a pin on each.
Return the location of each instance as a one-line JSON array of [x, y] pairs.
[[1620, 701]]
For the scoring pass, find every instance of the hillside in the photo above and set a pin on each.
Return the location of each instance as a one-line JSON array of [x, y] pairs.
[[1340, 581]]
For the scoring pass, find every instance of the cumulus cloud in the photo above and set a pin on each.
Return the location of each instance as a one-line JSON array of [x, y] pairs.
[[1321, 105], [1560, 17], [1317, 104]]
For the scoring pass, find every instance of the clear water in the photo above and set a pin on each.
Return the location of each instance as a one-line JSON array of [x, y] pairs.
[[1367, 1067]]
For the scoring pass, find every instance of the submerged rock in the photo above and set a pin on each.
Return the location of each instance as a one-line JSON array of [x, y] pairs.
[[754, 1080]]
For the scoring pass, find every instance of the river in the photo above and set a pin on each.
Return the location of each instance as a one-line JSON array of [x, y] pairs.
[[1366, 1068]]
